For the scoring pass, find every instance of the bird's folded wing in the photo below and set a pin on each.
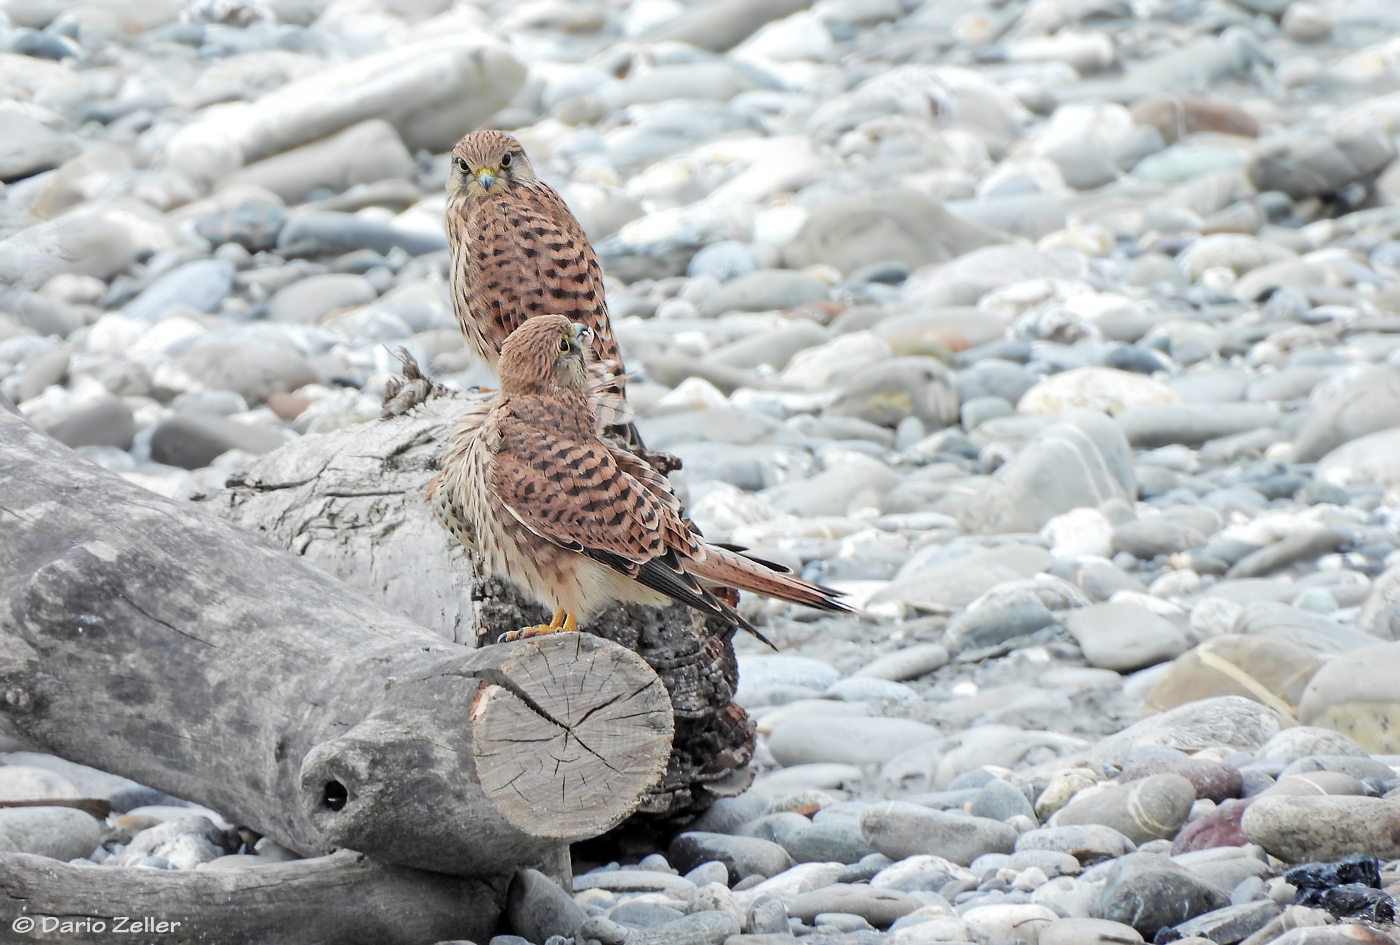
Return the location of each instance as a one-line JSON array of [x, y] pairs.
[[576, 495]]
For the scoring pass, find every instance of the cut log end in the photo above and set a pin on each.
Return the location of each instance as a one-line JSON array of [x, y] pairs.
[[601, 726]]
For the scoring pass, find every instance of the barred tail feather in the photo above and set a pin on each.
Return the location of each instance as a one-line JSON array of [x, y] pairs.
[[720, 566]]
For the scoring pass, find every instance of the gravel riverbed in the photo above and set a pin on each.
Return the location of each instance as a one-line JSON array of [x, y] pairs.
[[1062, 335]]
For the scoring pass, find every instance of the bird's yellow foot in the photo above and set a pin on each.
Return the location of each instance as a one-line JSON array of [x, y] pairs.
[[563, 622]]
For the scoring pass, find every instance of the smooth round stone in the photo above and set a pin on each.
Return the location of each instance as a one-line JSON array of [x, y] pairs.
[[1340, 764], [709, 927], [832, 842], [777, 669], [254, 226], [887, 393], [1369, 403], [1192, 424], [852, 741], [1146, 538], [1049, 862], [1010, 921], [23, 783], [1223, 721], [911, 662], [1303, 829], [1265, 670], [1150, 892], [992, 377], [742, 856], [1307, 23], [879, 907], [1081, 461], [728, 814], [254, 369], [1380, 612], [308, 301], [1233, 923], [840, 922], [813, 777], [1088, 932], [1001, 800], [643, 915], [924, 872], [1082, 842], [199, 285], [62, 833], [867, 689], [1003, 615], [899, 829], [1369, 460], [1213, 780], [1313, 783], [1355, 694], [979, 410], [724, 260], [806, 708], [1149, 808], [764, 290], [1303, 740], [709, 873], [193, 441], [776, 827], [1123, 636], [634, 880], [1106, 390], [1305, 165], [776, 347], [107, 422], [1219, 828]]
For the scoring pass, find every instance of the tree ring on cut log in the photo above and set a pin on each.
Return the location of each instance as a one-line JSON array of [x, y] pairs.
[[560, 738], [601, 733]]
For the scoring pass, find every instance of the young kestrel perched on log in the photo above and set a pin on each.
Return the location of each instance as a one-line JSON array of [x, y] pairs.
[[518, 252], [571, 518]]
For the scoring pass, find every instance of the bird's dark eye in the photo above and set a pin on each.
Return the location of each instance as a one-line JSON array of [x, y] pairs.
[[564, 346], [505, 161], [462, 165]]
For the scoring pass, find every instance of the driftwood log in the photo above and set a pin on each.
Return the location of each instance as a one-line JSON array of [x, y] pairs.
[[345, 898], [351, 502], [148, 638]]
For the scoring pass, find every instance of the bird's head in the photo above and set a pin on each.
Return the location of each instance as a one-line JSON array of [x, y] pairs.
[[546, 353], [486, 163]]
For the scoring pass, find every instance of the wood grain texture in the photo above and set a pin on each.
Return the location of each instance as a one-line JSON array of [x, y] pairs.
[[148, 638], [344, 899]]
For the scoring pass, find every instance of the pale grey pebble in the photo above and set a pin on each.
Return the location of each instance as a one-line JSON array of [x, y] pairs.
[[907, 663], [63, 833], [711, 871], [742, 856]]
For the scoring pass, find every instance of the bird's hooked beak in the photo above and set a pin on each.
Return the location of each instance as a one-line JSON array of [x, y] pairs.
[[485, 178], [582, 333]]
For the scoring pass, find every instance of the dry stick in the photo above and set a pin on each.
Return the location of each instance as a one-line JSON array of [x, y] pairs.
[[147, 638], [345, 899]]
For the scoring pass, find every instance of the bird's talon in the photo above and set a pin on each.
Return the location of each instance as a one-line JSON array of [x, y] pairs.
[[562, 622]]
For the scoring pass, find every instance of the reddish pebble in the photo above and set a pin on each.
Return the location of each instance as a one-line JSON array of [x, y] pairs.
[[1219, 828], [288, 406]]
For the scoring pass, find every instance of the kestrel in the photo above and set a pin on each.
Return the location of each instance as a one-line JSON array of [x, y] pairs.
[[518, 252], [571, 518]]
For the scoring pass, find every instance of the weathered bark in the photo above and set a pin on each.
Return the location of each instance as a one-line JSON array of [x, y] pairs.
[[148, 638], [352, 502], [342, 899]]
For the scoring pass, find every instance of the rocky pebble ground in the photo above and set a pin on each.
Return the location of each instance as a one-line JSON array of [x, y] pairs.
[[1063, 335]]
